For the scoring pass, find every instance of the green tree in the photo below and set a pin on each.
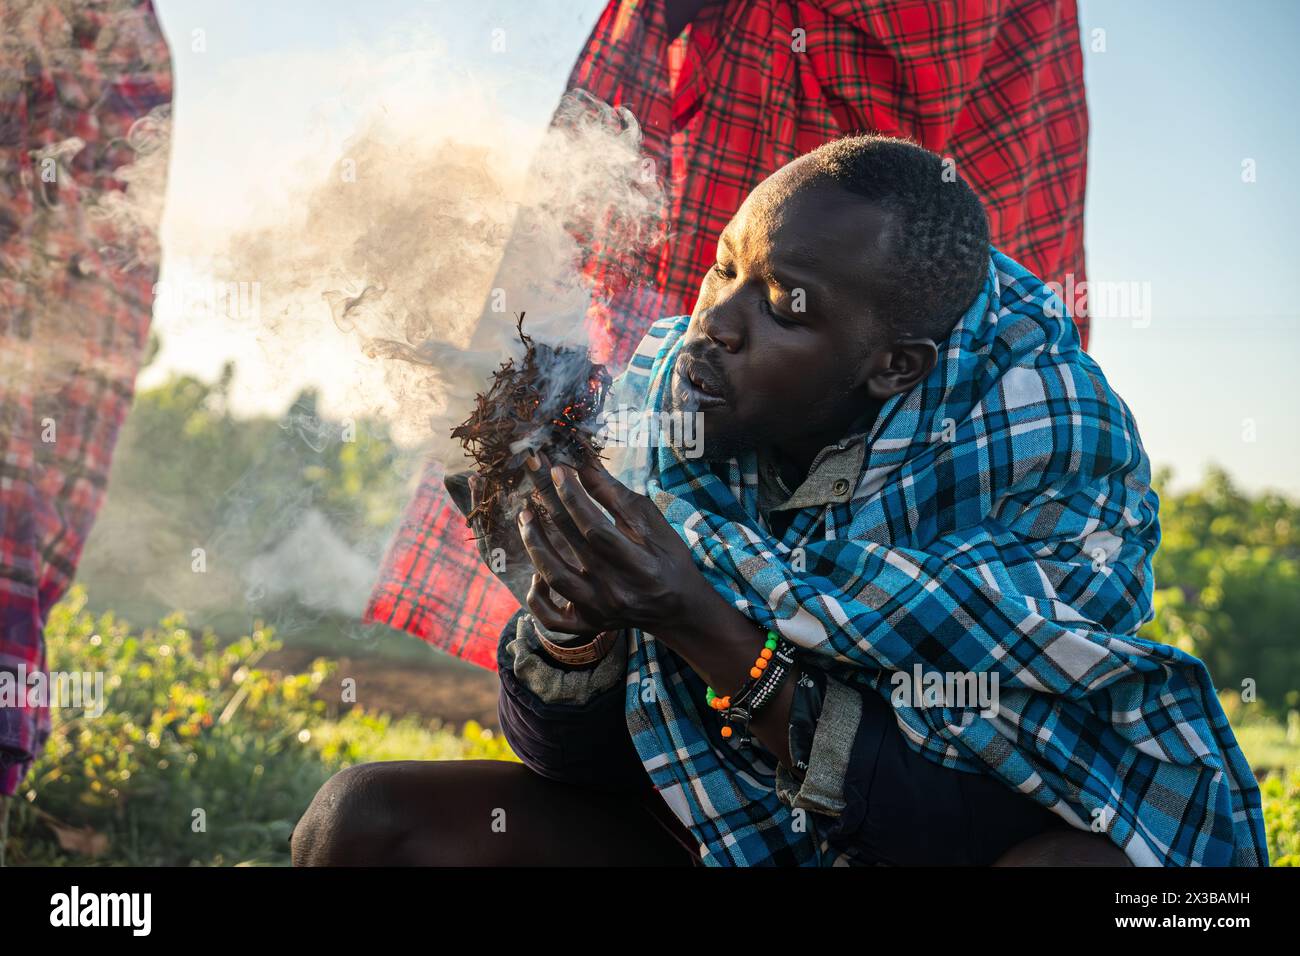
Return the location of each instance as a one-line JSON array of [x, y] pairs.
[[1228, 585]]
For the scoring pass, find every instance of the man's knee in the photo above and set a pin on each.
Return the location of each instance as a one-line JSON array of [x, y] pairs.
[[1065, 848], [353, 820]]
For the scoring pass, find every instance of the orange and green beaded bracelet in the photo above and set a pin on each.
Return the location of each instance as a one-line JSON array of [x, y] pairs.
[[723, 704]]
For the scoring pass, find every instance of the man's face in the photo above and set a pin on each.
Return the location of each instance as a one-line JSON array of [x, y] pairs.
[[781, 341]]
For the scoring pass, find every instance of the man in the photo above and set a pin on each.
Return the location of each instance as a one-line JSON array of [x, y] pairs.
[[726, 92], [912, 474]]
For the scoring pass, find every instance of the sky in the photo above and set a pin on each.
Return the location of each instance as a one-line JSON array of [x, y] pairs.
[[1192, 196]]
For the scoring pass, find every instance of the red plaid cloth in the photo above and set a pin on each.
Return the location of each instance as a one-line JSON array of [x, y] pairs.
[[75, 305], [996, 86]]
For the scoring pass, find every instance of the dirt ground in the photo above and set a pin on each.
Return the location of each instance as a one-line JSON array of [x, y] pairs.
[[450, 692]]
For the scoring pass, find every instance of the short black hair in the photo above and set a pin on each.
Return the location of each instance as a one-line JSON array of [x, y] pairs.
[[936, 243]]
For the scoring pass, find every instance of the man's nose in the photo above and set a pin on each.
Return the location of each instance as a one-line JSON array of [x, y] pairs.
[[723, 325]]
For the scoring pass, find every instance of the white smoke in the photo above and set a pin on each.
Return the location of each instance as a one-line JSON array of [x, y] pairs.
[[414, 242], [314, 566], [427, 251]]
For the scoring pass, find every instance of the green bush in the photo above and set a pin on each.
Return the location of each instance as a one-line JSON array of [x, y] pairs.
[[201, 757], [1273, 750], [1281, 794]]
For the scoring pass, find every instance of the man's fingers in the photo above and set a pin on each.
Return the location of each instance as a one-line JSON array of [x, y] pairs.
[[614, 496], [546, 491], [542, 605], [597, 529], [548, 562]]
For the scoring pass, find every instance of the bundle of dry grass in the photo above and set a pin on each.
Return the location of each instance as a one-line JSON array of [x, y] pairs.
[[548, 402]]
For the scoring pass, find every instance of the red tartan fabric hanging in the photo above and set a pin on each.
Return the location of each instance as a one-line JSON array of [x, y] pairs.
[[76, 299], [750, 85]]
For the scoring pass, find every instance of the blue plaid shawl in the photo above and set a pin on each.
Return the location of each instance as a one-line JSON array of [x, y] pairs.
[[1003, 522]]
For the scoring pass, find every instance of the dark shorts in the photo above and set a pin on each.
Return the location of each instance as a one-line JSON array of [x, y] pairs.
[[905, 809]]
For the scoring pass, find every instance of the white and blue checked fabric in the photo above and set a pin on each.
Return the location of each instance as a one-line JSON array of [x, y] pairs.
[[1004, 523]]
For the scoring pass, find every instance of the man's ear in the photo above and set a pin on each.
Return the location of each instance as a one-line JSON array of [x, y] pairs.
[[898, 369]]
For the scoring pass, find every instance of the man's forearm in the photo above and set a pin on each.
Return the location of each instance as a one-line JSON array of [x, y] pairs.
[[720, 644], [560, 728]]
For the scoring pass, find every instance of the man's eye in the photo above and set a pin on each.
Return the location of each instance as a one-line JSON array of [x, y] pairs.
[[777, 317]]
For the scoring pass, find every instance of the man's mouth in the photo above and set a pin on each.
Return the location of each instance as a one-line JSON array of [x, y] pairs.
[[698, 384]]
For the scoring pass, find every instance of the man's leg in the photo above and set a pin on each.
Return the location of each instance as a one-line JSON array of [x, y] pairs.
[[476, 813]]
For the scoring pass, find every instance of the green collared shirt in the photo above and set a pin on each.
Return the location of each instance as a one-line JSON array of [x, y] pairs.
[[831, 479]]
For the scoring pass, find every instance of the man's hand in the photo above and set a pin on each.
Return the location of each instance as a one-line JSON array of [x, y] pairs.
[[634, 572], [637, 572]]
